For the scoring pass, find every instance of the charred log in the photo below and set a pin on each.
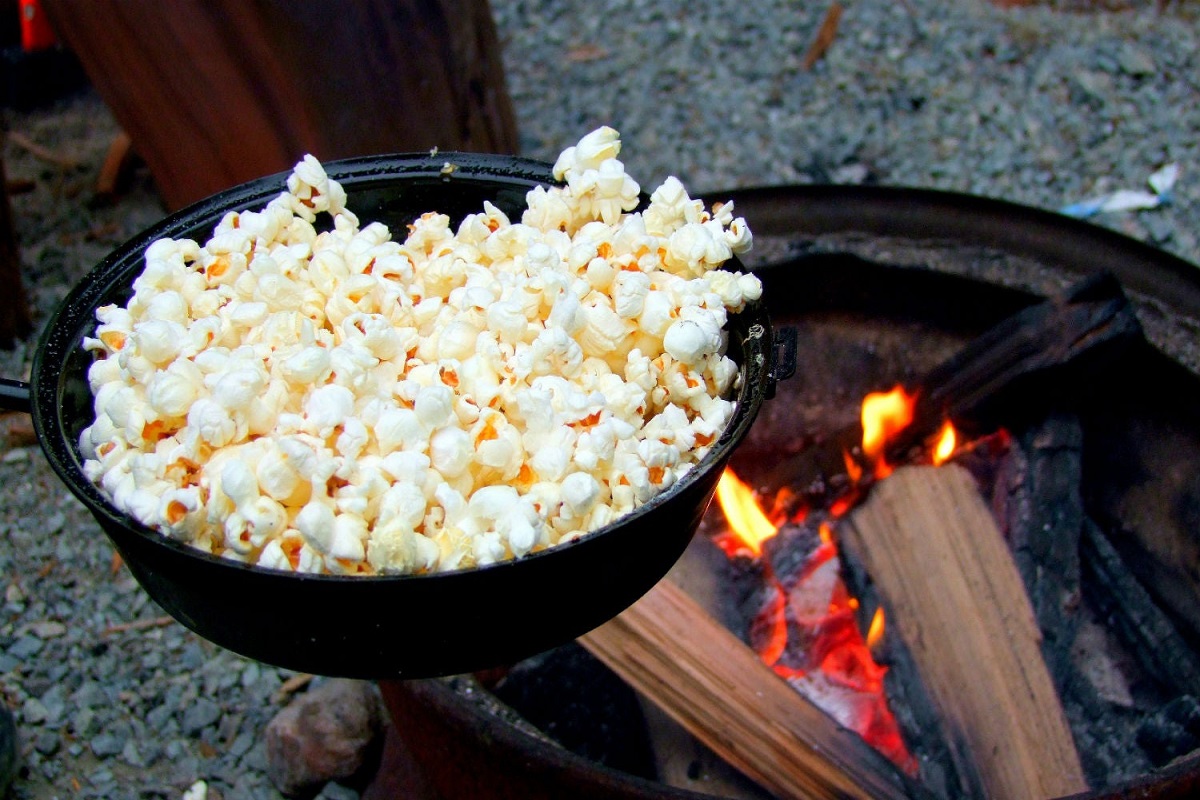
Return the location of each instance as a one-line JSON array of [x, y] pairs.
[[1040, 509], [1129, 610], [1173, 732], [1046, 349]]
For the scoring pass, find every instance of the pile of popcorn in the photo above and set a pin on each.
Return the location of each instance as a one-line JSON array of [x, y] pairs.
[[342, 402]]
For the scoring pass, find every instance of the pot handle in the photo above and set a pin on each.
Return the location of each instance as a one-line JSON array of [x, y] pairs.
[[14, 395], [783, 358]]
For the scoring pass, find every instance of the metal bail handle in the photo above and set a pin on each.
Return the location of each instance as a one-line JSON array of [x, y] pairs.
[[14, 395]]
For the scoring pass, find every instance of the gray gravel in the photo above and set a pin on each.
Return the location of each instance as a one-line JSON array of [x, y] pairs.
[[1036, 105]]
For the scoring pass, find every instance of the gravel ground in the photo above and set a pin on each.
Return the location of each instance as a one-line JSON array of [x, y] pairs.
[[1044, 105]]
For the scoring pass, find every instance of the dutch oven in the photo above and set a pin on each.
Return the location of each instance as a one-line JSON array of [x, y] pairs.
[[379, 626]]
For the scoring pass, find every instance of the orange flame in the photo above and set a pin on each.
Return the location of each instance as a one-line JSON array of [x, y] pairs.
[[854, 470], [884, 414], [946, 444], [806, 629], [876, 628], [746, 519]]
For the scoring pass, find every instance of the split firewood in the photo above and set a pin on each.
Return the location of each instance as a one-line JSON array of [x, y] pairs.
[[716, 687], [956, 600]]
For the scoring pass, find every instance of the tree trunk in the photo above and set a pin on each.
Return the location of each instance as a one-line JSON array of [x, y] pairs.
[[217, 92]]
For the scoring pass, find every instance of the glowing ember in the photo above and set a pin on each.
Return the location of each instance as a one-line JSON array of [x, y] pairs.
[[946, 444], [747, 522], [884, 414], [875, 632], [806, 627]]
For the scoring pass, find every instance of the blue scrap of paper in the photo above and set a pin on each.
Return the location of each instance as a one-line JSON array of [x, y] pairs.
[[1161, 183]]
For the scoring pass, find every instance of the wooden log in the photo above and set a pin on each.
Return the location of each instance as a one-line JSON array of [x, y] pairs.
[[955, 598], [701, 675], [1122, 602], [15, 320], [217, 92], [1039, 506], [681, 760]]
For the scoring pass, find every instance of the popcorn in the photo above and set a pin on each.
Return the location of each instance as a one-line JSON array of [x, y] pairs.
[[343, 402]]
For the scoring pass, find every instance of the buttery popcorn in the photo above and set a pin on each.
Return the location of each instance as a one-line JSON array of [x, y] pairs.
[[343, 402]]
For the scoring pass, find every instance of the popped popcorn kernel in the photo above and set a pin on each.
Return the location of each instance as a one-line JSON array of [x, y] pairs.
[[316, 395]]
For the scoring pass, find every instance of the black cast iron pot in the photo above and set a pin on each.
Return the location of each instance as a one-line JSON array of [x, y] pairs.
[[379, 627]]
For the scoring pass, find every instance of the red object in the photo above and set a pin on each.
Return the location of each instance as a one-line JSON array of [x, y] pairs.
[[36, 33]]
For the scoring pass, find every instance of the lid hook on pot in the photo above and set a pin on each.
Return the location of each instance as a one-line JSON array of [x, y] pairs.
[[783, 358]]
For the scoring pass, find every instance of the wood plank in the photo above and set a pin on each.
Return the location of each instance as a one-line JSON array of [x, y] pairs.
[[700, 674], [955, 598]]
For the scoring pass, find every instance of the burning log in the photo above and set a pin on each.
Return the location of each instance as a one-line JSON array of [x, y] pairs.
[[700, 674], [1046, 347], [956, 600]]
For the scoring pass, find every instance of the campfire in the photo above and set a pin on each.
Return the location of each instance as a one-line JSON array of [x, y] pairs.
[[901, 505], [806, 628], [804, 622], [894, 606]]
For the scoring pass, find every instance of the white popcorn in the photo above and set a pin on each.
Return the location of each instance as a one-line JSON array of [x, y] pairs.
[[212, 422], [580, 491], [316, 523], [236, 388], [307, 366], [328, 407], [342, 402], [396, 549], [277, 475], [171, 392], [434, 405], [595, 148], [400, 429], [693, 337], [450, 451], [348, 543]]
